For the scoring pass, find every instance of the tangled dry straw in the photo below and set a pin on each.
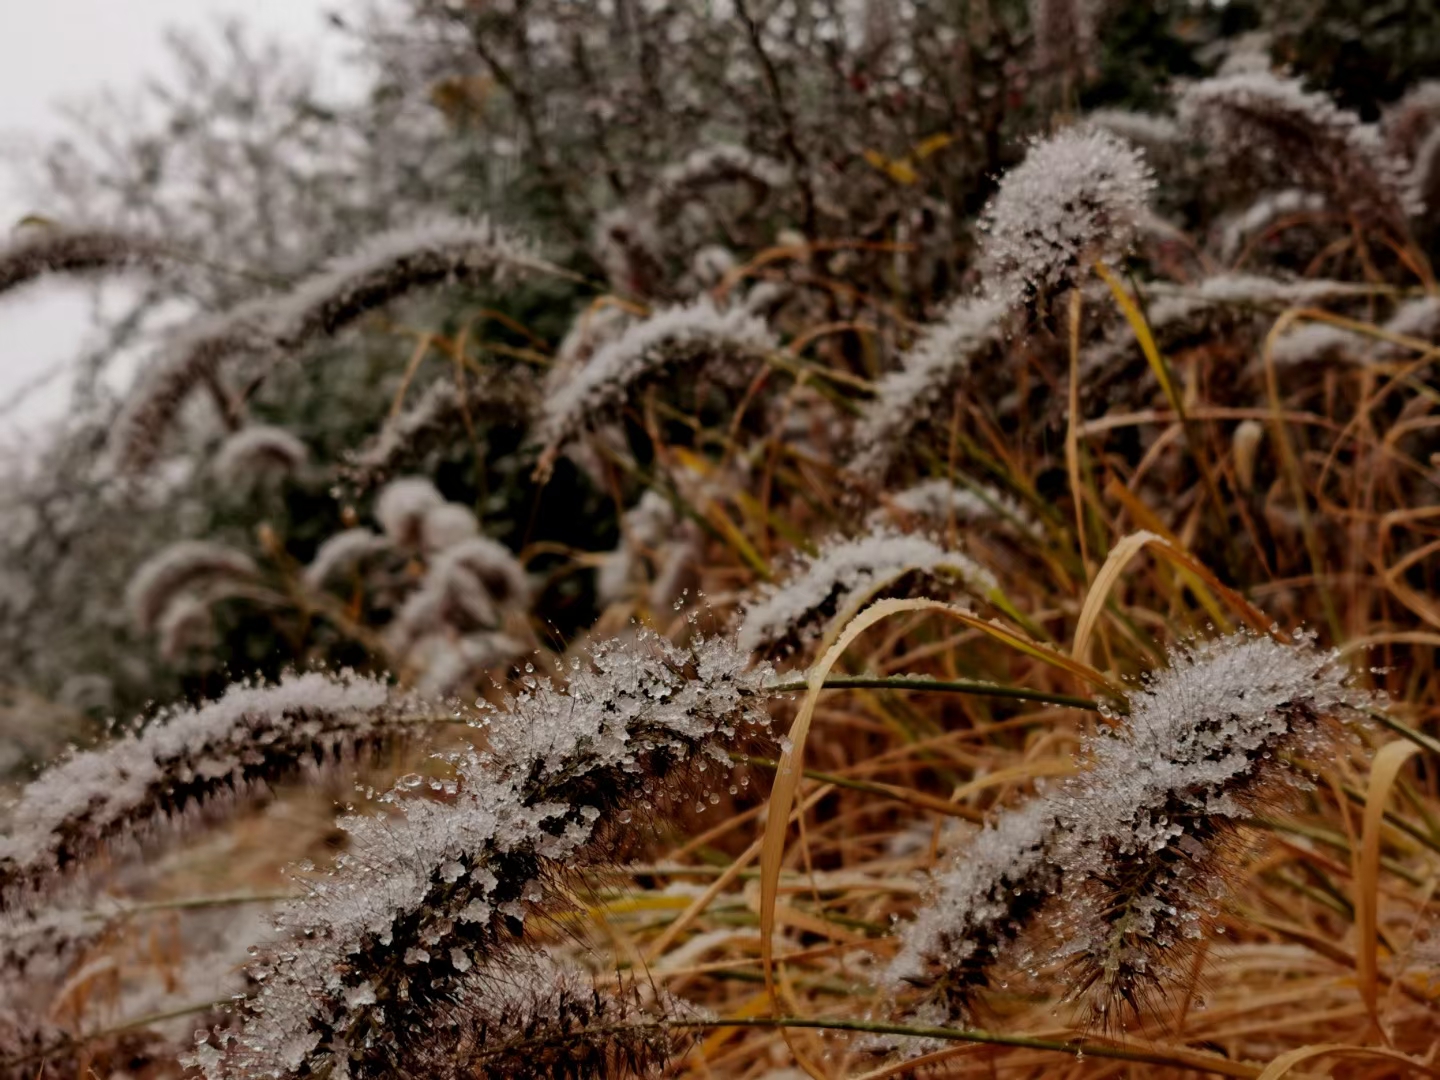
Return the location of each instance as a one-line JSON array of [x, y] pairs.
[[1055, 779]]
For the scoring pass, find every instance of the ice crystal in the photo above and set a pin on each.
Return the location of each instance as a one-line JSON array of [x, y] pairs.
[[1078, 197], [561, 766], [256, 449], [690, 339], [184, 761], [1137, 845], [795, 611], [1301, 136], [182, 567], [933, 367]]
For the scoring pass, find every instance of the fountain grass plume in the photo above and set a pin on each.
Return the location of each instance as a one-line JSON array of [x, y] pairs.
[[424, 896]]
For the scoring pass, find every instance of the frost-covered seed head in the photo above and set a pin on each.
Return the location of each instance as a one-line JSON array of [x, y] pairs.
[[185, 760], [446, 525], [372, 949], [928, 373], [1134, 848], [1078, 197], [695, 339], [796, 610], [402, 505], [392, 264], [184, 566], [340, 554], [1304, 137], [258, 449], [51, 250]]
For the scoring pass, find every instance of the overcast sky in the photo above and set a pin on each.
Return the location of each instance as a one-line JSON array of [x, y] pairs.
[[55, 51]]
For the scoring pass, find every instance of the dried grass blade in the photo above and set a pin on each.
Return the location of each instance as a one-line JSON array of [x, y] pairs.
[[1383, 773]]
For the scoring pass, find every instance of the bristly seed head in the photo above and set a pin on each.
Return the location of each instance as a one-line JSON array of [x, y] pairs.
[[1123, 864], [1078, 197]]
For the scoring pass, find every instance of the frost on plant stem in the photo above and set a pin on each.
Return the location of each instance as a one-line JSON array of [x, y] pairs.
[[258, 449], [421, 898], [185, 762], [1302, 137], [56, 250], [788, 614], [437, 252], [184, 566], [1123, 865], [928, 373], [1078, 197], [690, 341]]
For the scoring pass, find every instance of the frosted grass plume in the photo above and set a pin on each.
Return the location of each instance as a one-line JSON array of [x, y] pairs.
[[1078, 197], [257, 450], [535, 1017], [401, 506], [185, 762], [1124, 863], [469, 585], [39, 251], [710, 165], [941, 502], [787, 615], [437, 252], [1305, 137], [183, 567], [437, 412], [421, 898], [343, 554], [930, 371], [697, 339], [1263, 213]]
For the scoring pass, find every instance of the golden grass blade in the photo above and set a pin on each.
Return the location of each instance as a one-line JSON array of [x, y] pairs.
[[1288, 1060], [1127, 549], [1383, 773], [1072, 431], [788, 775]]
